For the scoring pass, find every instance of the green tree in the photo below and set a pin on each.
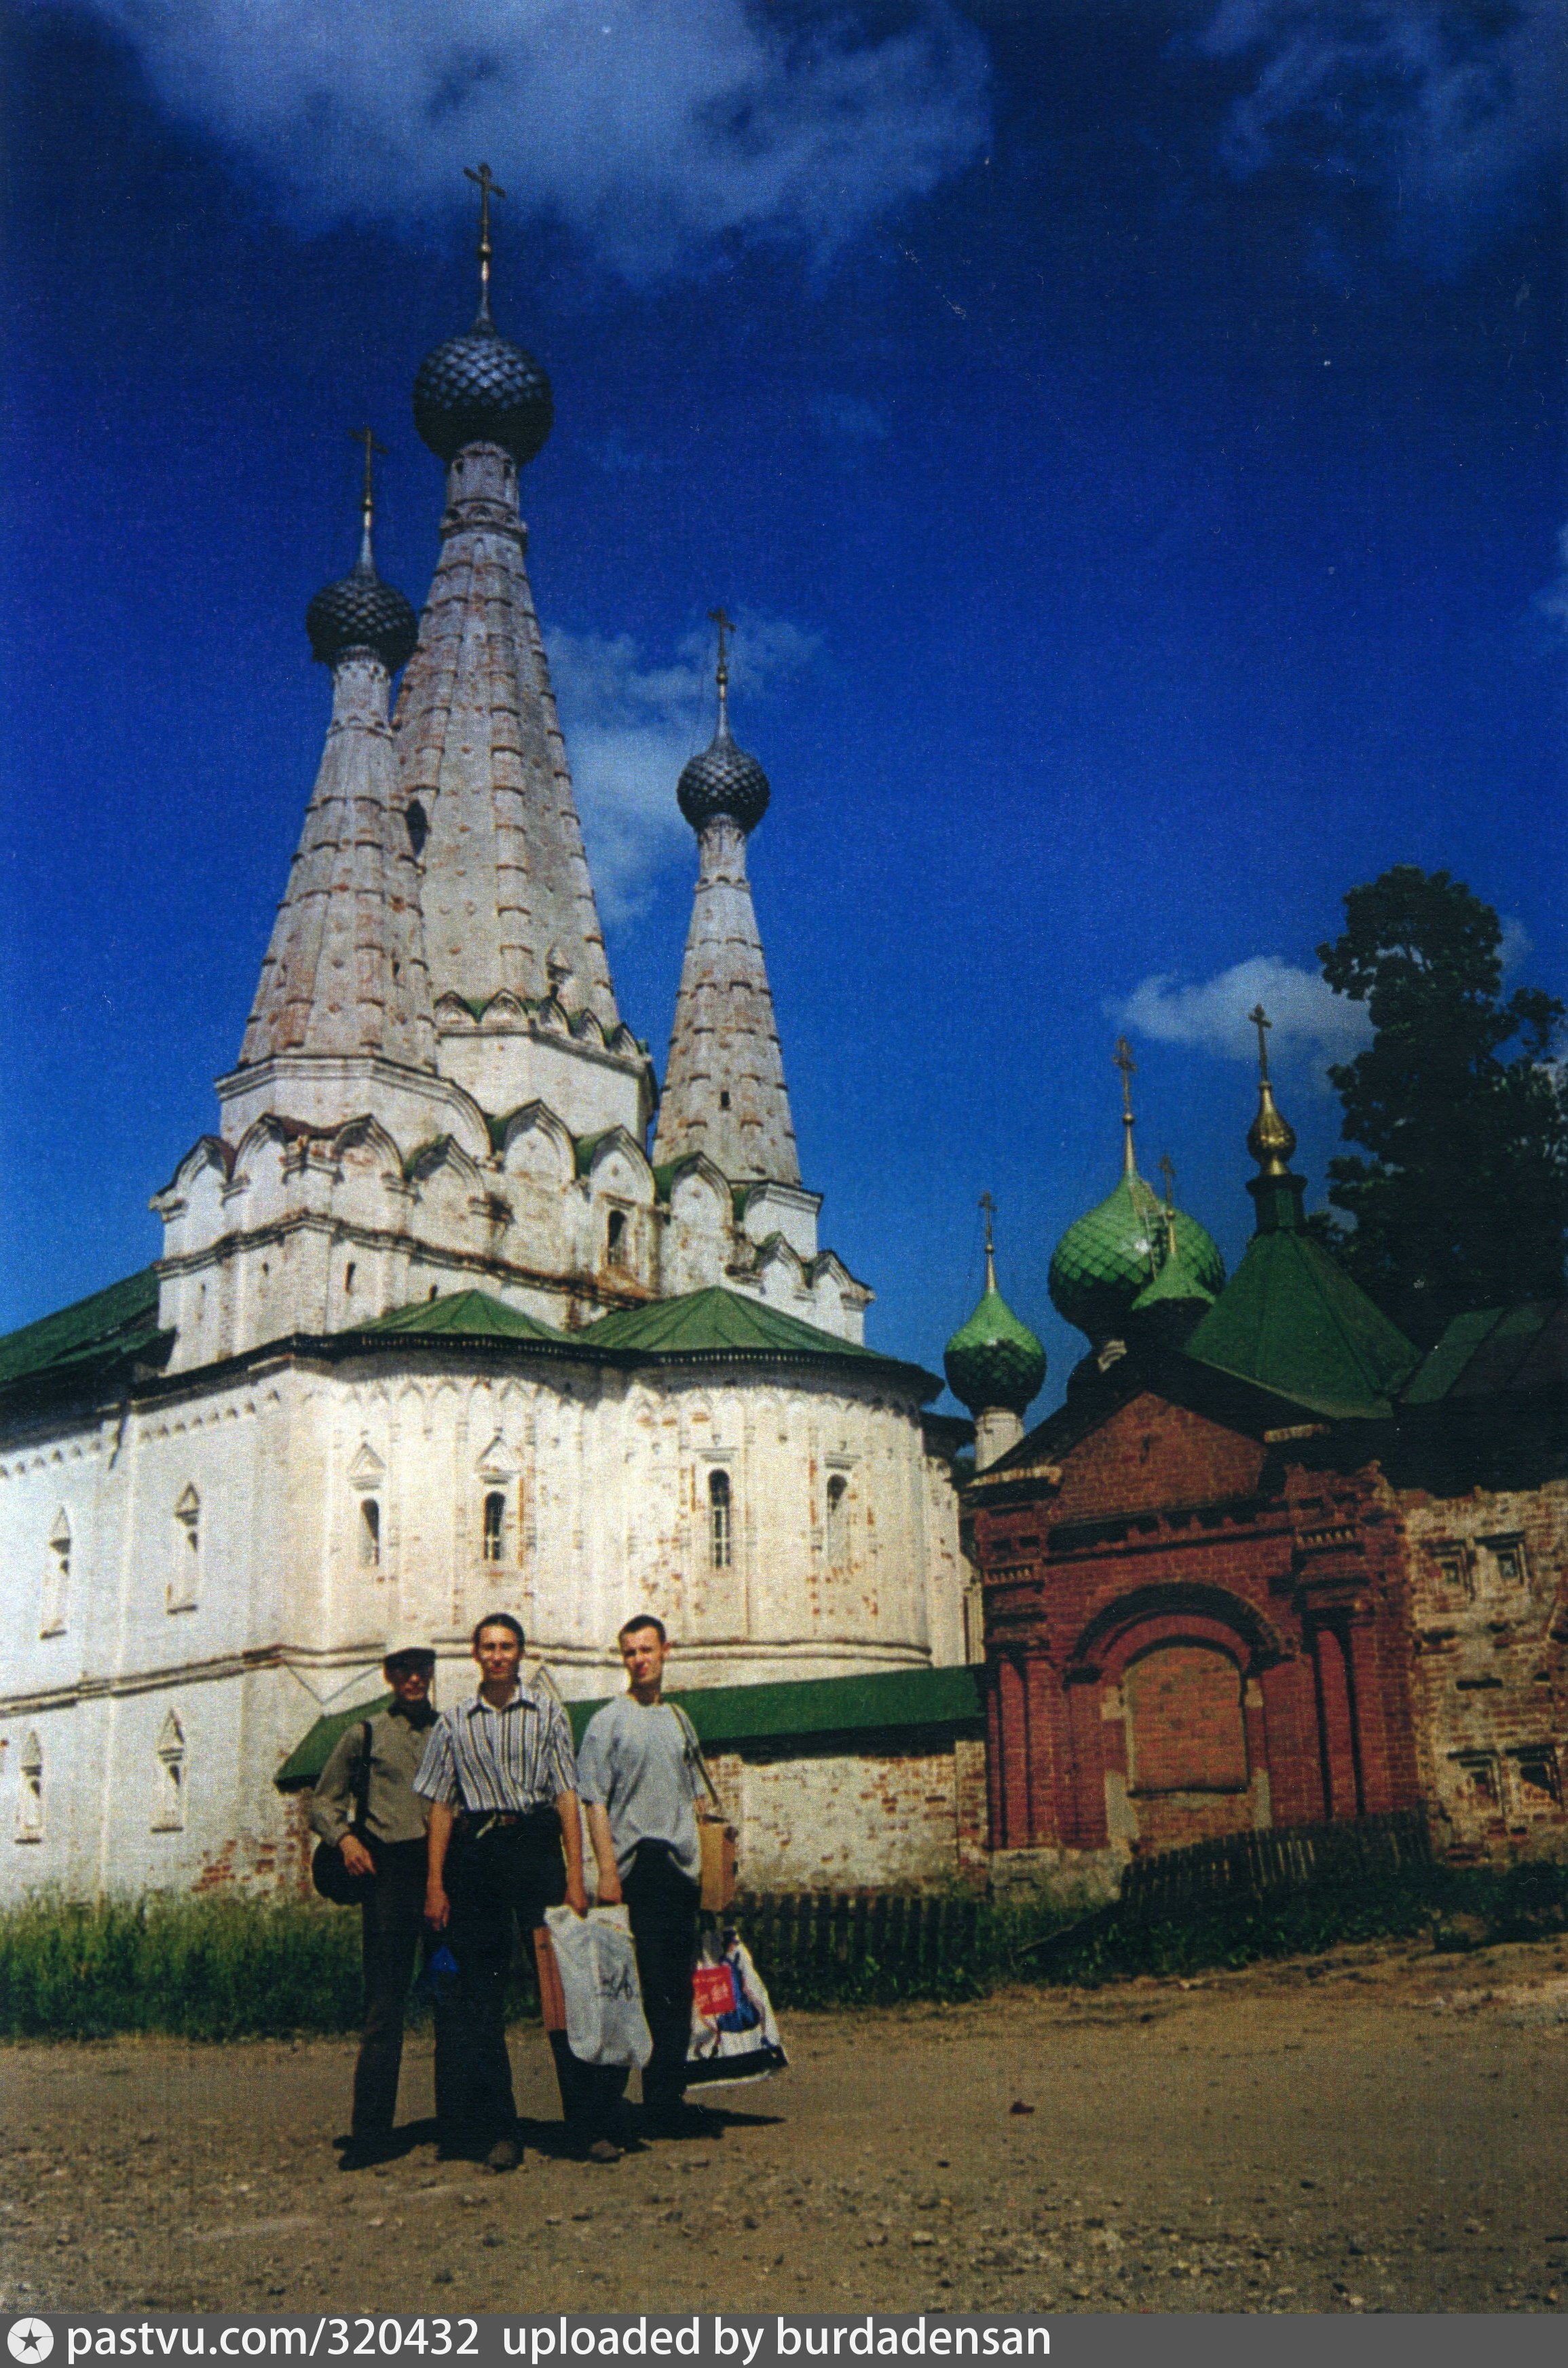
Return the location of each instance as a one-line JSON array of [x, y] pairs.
[[1463, 1201]]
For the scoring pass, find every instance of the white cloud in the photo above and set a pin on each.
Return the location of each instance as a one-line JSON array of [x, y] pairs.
[[1444, 108], [630, 727], [652, 128], [1310, 1021]]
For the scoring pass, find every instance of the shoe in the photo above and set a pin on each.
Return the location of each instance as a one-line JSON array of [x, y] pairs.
[[604, 2150], [361, 2154], [504, 2154]]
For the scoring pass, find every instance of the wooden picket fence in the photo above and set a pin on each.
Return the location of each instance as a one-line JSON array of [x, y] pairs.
[[1173, 1883], [806, 1933]]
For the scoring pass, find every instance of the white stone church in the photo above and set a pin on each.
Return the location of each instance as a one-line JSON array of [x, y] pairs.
[[435, 1329]]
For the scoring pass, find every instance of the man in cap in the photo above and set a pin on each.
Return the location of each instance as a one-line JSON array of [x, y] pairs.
[[505, 1843], [375, 1763]]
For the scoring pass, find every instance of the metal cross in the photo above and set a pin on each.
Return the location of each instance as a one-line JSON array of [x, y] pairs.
[[367, 436], [989, 1206], [1123, 1059], [1167, 1169], [1260, 1020], [726, 625], [488, 187]]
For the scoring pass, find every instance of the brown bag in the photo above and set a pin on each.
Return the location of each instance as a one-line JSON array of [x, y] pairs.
[[715, 1835]]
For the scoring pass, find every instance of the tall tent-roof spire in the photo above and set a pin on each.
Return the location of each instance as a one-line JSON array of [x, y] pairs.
[[344, 973], [1290, 1318], [724, 1091], [508, 902]]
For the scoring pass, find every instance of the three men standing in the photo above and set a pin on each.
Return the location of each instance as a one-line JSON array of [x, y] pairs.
[[638, 1774]]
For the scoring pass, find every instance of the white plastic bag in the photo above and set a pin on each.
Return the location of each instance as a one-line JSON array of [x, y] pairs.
[[734, 2033], [597, 1964]]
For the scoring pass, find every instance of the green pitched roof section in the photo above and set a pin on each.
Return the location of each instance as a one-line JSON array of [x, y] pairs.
[[725, 1715], [1108, 1258], [702, 1322], [994, 1360], [466, 1315], [1292, 1321], [108, 1327], [1497, 1350], [812, 1706], [313, 1751]]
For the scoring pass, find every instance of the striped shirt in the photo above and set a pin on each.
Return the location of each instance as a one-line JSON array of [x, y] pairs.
[[515, 1760]]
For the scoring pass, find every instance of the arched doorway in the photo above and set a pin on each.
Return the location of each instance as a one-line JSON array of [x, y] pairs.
[[1187, 1775]]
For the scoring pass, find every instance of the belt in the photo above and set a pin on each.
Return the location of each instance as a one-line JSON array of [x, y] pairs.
[[472, 1824]]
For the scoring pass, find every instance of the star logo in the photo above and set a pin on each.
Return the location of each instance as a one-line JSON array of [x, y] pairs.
[[30, 2339]]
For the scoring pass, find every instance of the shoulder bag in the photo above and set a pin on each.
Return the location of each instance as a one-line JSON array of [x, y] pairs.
[[715, 1835]]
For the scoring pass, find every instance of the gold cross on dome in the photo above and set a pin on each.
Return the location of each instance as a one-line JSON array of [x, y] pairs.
[[1261, 1021], [488, 187], [1167, 1169], [989, 1207]]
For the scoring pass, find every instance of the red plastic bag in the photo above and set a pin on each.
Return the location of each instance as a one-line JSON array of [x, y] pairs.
[[713, 1991]]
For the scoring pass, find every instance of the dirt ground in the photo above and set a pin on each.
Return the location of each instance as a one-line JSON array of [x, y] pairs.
[[1383, 2130]]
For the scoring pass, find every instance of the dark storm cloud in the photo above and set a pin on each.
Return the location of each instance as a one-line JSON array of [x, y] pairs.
[[651, 128]]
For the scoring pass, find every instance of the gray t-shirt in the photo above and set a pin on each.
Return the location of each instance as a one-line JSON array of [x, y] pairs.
[[636, 1762]]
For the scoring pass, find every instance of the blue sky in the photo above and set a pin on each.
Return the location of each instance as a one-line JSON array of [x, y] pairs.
[[1131, 438]]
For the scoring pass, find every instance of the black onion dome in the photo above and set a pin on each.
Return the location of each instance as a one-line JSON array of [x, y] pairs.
[[362, 613], [481, 389], [724, 780]]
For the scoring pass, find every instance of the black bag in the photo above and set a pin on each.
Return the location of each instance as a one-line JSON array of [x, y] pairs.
[[329, 1875]]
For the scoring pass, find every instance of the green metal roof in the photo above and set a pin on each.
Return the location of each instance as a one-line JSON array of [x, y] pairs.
[[1496, 1349], [108, 1327], [313, 1751], [734, 1714], [705, 1321], [465, 1315], [1292, 1321]]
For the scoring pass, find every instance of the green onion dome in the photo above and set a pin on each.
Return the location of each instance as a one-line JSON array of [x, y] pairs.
[[994, 1360], [1105, 1261]]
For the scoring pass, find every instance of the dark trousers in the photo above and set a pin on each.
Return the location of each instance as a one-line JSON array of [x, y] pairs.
[[393, 1934], [662, 1904], [498, 1882]]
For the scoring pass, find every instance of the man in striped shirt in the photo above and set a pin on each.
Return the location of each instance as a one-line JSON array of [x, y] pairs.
[[505, 1843]]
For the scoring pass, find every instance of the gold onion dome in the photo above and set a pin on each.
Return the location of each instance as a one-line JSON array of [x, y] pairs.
[[1109, 1257], [993, 1360]]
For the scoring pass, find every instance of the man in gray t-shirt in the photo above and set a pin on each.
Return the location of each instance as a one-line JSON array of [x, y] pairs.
[[638, 1779]]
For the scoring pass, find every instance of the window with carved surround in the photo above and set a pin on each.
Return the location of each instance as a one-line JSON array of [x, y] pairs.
[[720, 1534], [29, 1792], [185, 1575], [837, 1520], [56, 1602], [168, 1795]]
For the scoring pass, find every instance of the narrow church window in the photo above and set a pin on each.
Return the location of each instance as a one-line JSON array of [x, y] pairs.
[[837, 1519], [184, 1576], [369, 1533], [494, 1526], [168, 1800], [56, 1577], [29, 1798], [349, 1278], [725, 1099], [418, 827], [614, 1238], [719, 1535]]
